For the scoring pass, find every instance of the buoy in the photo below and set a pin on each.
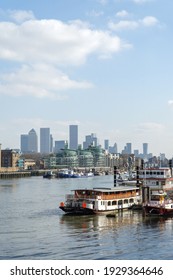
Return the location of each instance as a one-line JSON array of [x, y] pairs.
[[84, 205], [62, 204]]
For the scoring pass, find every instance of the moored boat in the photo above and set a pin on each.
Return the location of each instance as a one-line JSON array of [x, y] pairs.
[[102, 199], [49, 175], [159, 204]]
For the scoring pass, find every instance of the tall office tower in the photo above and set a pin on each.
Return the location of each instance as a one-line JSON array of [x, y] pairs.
[[129, 148], [59, 145], [24, 143], [32, 141], [73, 137], [90, 140], [51, 143], [136, 153], [45, 140], [145, 149], [106, 144]]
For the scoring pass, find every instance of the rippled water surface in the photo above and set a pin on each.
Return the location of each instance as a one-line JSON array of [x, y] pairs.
[[33, 227]]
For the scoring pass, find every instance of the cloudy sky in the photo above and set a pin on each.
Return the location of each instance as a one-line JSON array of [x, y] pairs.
[[105, 65]]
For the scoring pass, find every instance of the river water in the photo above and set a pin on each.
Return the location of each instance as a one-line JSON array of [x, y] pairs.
[[33, 227]]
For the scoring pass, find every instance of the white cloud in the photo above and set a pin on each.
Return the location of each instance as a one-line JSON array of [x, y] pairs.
[[103, 2], [170, 103], [122, 13], [52, 41], [95, 13], [41, 47], [123, 25], [40, 81], [141, 1], [21, 15], [147, 21]]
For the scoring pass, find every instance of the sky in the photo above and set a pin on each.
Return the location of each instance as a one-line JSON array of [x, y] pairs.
[[104, 65]]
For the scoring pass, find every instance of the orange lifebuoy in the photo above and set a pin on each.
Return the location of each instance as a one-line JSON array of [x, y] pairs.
[[84, 205]]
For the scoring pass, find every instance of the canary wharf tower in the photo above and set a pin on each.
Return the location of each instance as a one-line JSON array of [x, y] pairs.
[[73, 137]]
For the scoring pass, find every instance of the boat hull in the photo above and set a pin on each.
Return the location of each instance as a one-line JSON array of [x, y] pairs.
[[77, 210], [157, 211]]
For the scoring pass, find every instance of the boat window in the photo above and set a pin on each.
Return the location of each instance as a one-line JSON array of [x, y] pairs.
[[125, 201], [114, 202], [155, 197], [131, 200], [120, 202], [109, 203]]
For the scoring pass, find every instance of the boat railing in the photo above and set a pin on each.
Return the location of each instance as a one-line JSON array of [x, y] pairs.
[[100, 196]]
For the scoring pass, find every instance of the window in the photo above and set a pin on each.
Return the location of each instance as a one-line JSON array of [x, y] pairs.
[[120, 202], [114, 202]]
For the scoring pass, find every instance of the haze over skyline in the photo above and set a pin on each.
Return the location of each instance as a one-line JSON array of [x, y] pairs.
[[105, 65]]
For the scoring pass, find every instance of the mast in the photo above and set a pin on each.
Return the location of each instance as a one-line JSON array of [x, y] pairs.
[[115, 176]]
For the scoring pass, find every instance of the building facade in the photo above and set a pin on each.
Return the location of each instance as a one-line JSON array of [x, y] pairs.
[[73, 137], [32, 141], [45, 140]]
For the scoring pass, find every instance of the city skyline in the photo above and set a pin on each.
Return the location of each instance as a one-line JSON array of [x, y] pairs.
[[30, 143], [104, 65]]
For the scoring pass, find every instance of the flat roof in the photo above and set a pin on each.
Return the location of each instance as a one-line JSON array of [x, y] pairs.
[[111, 189]]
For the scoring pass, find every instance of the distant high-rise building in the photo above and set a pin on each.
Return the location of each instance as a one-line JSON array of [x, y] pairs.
[[73, 137], [114, 149], [24, 143], [32, 141], [90, 140], [59, 145], [45, 139], [136, 153], [129, 148], [51, 143], [106, 144], [145, 149]]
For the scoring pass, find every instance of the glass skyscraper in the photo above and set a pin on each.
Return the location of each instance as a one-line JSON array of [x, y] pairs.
[[45, 140], [73, 137]]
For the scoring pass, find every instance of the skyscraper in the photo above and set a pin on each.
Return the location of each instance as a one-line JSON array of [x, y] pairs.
[[32, 141], [29, 142], [73, 137], [24, 143], [45, 140], [90, 140], [129, 148], [106, 144], [145, 149]]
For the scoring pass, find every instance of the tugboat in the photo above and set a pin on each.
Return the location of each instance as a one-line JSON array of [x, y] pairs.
[[159, 204]]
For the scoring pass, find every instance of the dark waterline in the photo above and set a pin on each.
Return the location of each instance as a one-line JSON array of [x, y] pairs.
[[33, 227]]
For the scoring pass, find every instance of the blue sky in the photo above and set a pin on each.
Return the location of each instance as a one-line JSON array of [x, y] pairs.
[[105, 65]]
